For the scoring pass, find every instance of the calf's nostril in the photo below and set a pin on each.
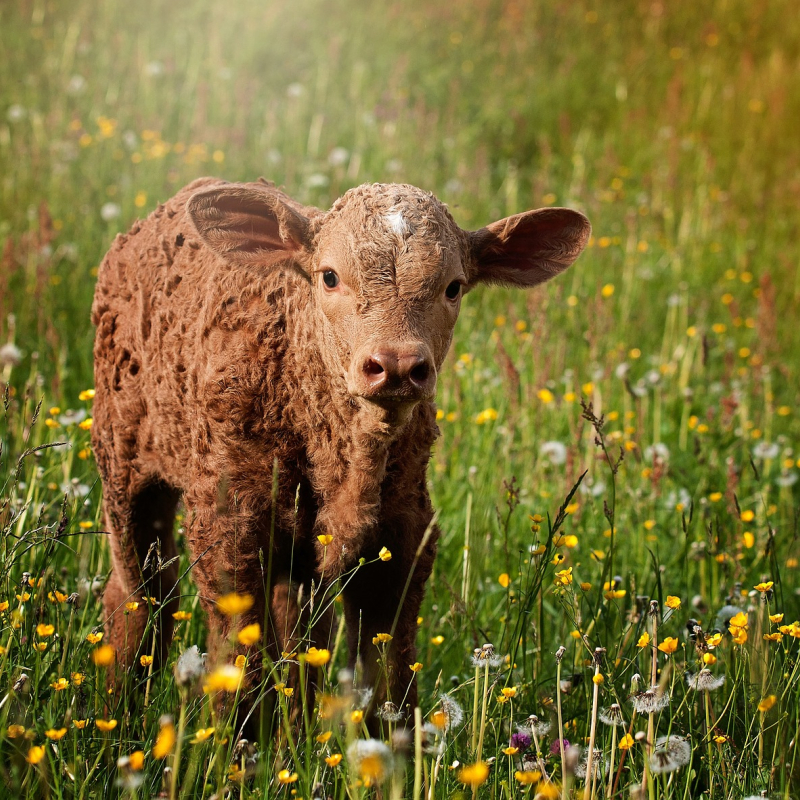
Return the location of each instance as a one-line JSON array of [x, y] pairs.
[[419, 374], [373, 368]]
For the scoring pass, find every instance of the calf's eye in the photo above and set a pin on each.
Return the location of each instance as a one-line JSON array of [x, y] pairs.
[[330, 279], [452, 290]]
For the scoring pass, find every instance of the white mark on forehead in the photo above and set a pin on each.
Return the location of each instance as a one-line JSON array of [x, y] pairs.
[[397, 223]]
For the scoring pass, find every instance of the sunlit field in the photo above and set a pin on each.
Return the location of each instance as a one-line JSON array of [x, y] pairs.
[[614, 608]]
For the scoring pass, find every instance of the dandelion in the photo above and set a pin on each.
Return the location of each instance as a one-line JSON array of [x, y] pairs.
[[482, 656], [554, 452], [474, 775], [249, 635], [234, 604], [704, 681], [597, 767], [670, 753], [651, 701], [370, 759], [449, 716], [390, 712], [189, 666]]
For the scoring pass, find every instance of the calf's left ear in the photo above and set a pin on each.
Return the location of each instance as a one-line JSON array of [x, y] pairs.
[[528, 249]]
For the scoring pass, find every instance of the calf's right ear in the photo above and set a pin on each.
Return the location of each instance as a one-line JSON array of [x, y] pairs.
[[249, 227]]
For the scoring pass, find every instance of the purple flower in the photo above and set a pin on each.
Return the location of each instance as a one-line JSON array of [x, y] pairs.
[[521, 741], [555, 747]]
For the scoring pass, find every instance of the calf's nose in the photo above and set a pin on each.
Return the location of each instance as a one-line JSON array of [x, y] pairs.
[[404, 373]]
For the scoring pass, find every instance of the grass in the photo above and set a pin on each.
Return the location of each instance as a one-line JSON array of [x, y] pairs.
[[671, 342]]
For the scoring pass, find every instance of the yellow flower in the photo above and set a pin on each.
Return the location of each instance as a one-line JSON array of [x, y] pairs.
[[317, 658], [773, 637], [249, 635], [80, 724], [165, 741], [146, 661], [747, 516], [776, 618], [334, 760], [586, 586], [509, 691], [182, 616], [104, 655], [739, 635], [224, 679], [673, 602], [385, 554], [669, 645], [763, 587], [325, 539], [284, 776], [738, 620], [382, 638], [437, 640], [528, 778], [136, 760], [504, 580], [416, 666], [598, 679], [709, 659], [233, 604], [105, 725], [3, 606], [60, 684], [564, 577], [548, 791], [240, 661], [607, 290], [35, 754], [511, 751], [24, 597], [132, 605], [94, 637], [86, 394], [323, 737], [202, 735], [44, 630], [86, 424], [40, 646], [626, 742], [587, 388], [767, 703], [546, 396], [714, 640], [649, 524], [474, 774], [55, 734], [357, 717]]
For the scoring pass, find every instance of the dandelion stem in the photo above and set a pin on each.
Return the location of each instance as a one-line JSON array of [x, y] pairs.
[[561, 732], [587, 790], [176, 761], [475, 695], [611, 762], [483, 709], [417, 753]]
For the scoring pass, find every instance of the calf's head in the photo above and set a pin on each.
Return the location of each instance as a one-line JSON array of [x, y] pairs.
[[388, 267]]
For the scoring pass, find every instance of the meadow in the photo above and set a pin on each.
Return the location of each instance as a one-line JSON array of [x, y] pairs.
[[614, 608]]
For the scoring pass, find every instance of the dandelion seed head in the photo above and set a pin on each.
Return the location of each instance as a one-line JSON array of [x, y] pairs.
[[612, 715], [670, 753], [189, 666], [651, 701], [704, 681], [371, 759], [390, 712]]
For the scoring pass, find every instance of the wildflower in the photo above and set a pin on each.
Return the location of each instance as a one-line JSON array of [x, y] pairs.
[[390, 712], [249, 635], [182, 616], [541, 727], [709, 659], [528, 777], [487, 415], [105, 725], [146, 661], [747, 516], [233, 604], [548, 791], [136, 760], [612, 715], [545, 395], [563, 577], [644, 640], [55, 734], [333, 760], [673, 602], [482, 656], [94, 637], [80, 724], [370, 759], [226, 678], [504, 580], [44, 630], [509, 692], [382, 638], [189, 666], [104, 655], [202, 735], [357, 716], [133, 604], [474, 774], [416, 666], [3, 606], [554, 452], [449, 716], [670, 753], [35, 754], [775, 618], [650, 701], [165, 741], [626, 742], [60, 684], [317, 658], [437, 640], [763, 587], [285, 776], [766, 703], [325, 539], [704, 681], [86, 394], [669, 645], [521, 740], [773, 637], [581, 768], [555, 746]]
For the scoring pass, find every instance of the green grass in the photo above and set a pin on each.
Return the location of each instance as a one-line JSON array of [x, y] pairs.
[[673, 127]]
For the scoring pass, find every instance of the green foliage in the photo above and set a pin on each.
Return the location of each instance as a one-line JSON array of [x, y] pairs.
[[673, 127]]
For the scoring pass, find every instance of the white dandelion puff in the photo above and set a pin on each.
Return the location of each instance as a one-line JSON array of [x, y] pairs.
[[651, 701], [704, 681], [670, 753], [555, 452]]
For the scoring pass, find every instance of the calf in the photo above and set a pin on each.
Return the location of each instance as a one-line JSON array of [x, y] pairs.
[[275, 366]]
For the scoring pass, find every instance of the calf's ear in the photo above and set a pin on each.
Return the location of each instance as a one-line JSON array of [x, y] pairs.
[[528, 249], [248, 226]]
